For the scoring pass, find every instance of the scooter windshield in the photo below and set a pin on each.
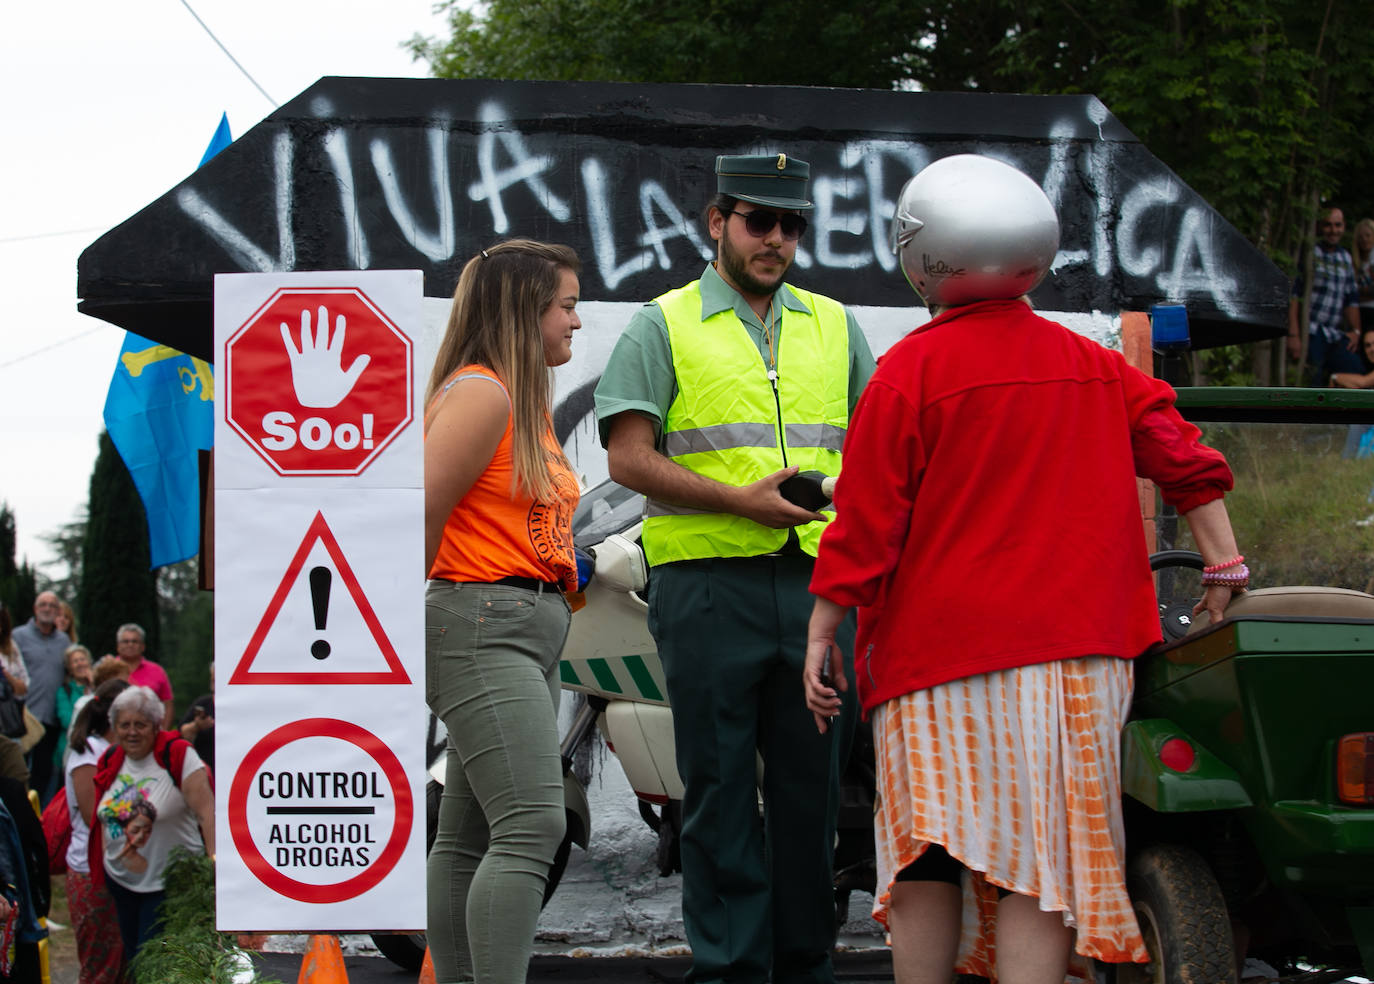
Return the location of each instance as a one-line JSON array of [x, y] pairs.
[[605, 509]]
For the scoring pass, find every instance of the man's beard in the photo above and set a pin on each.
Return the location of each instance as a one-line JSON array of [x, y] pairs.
[[738, 272]]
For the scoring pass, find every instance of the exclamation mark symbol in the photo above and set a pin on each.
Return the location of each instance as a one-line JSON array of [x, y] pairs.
[[367, 430], [320, 578]]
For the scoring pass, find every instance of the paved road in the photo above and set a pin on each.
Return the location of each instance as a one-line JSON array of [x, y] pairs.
[[864, 967]]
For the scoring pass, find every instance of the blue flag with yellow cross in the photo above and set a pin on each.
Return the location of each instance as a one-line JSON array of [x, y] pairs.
[[160, 412]]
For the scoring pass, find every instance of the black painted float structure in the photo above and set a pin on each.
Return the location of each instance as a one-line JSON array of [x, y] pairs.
[[420, 173]]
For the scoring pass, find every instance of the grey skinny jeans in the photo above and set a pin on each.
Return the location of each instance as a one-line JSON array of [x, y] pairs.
[[491, 675]]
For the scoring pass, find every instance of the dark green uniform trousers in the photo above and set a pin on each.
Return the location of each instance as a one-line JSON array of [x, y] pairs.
[[757, 899]]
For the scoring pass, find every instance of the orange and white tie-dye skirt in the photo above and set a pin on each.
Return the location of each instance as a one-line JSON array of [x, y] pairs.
[[1017, 774]]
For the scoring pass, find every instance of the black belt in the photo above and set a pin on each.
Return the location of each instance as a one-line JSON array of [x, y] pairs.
[[707, 562], [530, 583]]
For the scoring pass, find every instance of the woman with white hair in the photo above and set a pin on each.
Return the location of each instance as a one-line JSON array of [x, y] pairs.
[[146, 768], [988, 530]]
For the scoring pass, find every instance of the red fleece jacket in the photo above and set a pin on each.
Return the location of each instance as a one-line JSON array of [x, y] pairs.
[[987, 516]]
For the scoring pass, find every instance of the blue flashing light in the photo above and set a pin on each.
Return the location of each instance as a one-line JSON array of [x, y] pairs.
[[1169, 327]]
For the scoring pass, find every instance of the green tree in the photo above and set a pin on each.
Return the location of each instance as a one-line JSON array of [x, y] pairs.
[[1262, 107], [116, 584], [813, 42], [18, 586], [185, 612], [1265, 107], [1254, 105], [188, 631], [66, 542]]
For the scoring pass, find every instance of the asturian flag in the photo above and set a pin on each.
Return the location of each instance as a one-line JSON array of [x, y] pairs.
[[160, 413]]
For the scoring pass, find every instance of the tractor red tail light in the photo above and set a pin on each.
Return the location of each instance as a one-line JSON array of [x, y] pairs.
[[1355, 769], [1178, 754]]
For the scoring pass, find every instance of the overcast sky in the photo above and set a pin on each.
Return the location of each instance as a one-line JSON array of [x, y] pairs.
[[106, 107]]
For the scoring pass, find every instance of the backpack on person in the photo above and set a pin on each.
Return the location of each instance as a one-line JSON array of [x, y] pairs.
[[169, 751], [57, 830]]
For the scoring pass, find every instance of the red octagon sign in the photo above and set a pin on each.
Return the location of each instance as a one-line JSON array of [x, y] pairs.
[[318, 381]]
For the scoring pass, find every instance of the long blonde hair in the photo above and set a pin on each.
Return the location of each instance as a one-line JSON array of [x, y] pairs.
[[502, 293], [1361, 255], [70, 615]]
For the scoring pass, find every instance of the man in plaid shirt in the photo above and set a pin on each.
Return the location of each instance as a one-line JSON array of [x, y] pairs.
[[1334, 325]]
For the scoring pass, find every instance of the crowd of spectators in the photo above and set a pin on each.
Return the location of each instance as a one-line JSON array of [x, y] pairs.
[[91, 744]]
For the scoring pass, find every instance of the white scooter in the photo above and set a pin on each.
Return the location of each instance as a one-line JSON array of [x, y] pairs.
[[611, 658]]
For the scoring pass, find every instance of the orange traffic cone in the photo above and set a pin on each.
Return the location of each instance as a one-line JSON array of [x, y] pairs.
[[427, 969], [323, 963]]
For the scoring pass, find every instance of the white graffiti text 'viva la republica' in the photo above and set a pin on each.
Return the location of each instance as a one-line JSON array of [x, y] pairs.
[[1146, 230]]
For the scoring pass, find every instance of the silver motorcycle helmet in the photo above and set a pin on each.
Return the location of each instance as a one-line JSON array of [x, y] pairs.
[[969, 228]]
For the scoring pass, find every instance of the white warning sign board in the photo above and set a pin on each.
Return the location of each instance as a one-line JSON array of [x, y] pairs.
[[320, 599], [319, 604]]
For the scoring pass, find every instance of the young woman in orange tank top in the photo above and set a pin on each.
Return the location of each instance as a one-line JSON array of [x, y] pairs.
[[499, 499]]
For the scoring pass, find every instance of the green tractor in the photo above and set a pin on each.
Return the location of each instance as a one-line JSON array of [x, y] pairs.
[[1248, 762]]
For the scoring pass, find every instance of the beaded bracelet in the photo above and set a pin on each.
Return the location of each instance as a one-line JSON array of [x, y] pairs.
[[1239, 578], [1234, 582], [1235, 561], [1238, 574]]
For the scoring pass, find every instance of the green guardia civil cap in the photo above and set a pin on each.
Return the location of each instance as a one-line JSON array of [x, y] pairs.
[[775, 180]]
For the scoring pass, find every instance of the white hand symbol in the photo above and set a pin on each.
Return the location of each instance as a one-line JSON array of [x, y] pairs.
[[317, 370]]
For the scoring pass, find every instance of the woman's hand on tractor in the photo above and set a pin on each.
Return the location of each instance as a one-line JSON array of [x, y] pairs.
[[1215, 600]]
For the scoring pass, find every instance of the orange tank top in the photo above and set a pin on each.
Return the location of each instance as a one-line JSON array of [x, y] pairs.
[[491, 535]]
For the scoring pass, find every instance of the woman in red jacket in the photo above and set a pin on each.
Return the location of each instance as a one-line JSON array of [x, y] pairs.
[[988, 531]]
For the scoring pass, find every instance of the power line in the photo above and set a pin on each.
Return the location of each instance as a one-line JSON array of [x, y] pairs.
[[48, 348], [50, 235], [228, 54]]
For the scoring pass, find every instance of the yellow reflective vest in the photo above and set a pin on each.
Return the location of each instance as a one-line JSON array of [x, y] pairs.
[[728, 423]]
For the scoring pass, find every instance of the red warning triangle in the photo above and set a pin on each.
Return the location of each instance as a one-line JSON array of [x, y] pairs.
[[319, 532]]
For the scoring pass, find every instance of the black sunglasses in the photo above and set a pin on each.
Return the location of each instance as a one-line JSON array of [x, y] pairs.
[[760, 223]]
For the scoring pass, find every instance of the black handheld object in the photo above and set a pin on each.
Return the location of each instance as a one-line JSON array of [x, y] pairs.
[[804, 489], [825, 679]]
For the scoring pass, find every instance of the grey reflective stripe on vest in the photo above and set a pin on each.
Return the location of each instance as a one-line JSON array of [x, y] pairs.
[[826, 436], [718, 437], [652, 507]]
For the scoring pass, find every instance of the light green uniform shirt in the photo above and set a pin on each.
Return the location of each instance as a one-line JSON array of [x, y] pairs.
[[639, 375]]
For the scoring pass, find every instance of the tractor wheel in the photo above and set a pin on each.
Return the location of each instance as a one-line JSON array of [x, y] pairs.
[[405, 950], [1183, 918]]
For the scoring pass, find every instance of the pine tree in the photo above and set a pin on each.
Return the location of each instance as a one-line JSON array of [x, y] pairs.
[[188, 631], [18, 586], [117, 585], [65, 542]]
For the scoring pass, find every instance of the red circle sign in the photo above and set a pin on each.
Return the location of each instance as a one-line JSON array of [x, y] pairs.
[[318, 381], [252, 855]]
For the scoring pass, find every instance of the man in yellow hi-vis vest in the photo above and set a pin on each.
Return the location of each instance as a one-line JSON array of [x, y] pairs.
[[715, 394]]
